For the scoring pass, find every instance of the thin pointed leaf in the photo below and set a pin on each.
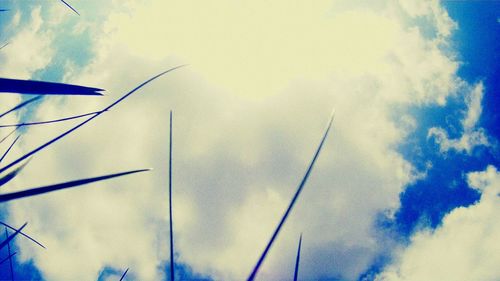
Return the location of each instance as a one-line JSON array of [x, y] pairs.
[[8, 149], [297, 261], [23, 234], [49, 188], [69, 6], [8, 177], [172, 263], [7, 258], [8, 135], [32, 87], [86, 121], [292, 203], [12, 236], [10, 257], [124, 273], [48, 121], [21, 105], [4, 45]]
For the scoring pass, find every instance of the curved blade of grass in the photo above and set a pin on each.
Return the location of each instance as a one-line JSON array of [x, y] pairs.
[[48, 121], [86, 121], [23, 234], [7, 258], [297, 260], [10, 257], [49, 188], [172, 263], [10, 147], [292, 203], [124, 273], [32, 87], [21, 105], [4, 45], [8, 135], [8, 177], [12, 236], [69, 6]]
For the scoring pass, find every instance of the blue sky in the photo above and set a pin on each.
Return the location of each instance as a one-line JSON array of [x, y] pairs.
[[414, 145]]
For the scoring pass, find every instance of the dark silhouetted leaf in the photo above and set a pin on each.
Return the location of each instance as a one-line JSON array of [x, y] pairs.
[[292, 203], [23, 234], [49, 188], [21, 105], [8, 135], [49, 121], [10, 256], [8, 177], [172, 263], [84, 122], [297, 261], [7, 258], [124, 273], [32, 87], [69, 6], [8, 149], [12, 236]]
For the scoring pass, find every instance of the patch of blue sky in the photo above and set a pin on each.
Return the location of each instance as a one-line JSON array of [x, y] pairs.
[[69, 47], [424, 203], [22, 271], [476, 43], [110, 272], [73, 47], [182, 272]]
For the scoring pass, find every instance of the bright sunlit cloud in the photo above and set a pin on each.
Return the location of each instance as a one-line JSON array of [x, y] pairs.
[[248, 112]]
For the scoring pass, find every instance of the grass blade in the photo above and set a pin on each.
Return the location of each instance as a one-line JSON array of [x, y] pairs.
[[86, 121], [5, 179], [297, 260], [292, 203], [10, 256], [12, 236], [48, 121], [172, 263], [124, 273], [21, 105], [4, 45], [23, 234], [32, 87], [49, 188], [8, 149], [69, 6], [8, 135]]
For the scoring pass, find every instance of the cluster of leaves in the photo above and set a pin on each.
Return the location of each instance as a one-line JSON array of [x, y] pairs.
[[15, 167]]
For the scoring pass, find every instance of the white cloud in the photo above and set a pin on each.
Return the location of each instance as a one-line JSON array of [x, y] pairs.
[[472, 136], [27, 52], [29, 49], [464, 247], [249, 112]]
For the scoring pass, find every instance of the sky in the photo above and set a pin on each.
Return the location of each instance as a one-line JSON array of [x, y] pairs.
[[407, 186]]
